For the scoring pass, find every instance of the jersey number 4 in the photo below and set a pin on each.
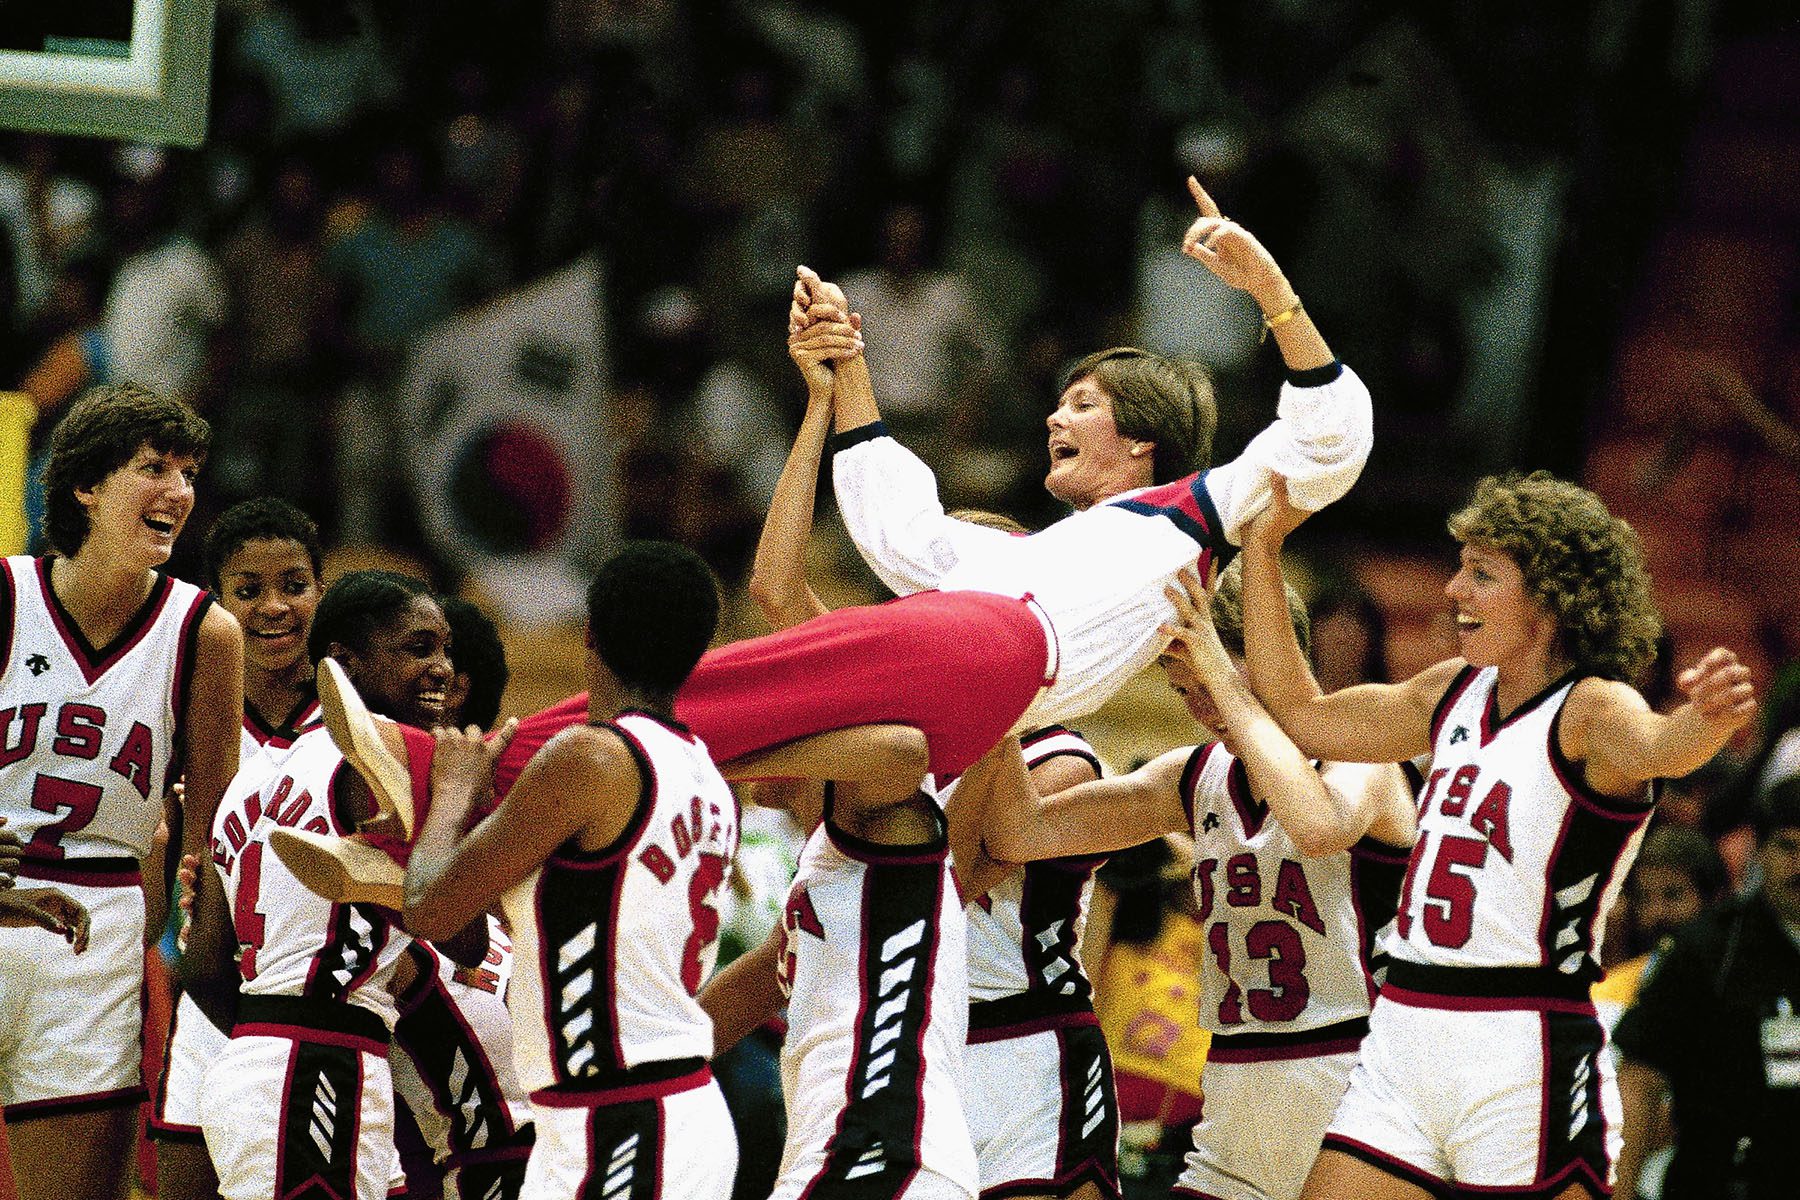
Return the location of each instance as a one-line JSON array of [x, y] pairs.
[[1448, 915]]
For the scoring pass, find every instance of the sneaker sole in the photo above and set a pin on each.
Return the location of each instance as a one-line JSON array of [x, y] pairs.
[[353, 729], [341, 870]]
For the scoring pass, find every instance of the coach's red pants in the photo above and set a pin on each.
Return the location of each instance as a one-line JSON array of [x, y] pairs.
[[961, 667]]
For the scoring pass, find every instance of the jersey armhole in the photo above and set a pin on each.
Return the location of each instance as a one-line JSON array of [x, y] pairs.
[[571, 851], [1451, 695]]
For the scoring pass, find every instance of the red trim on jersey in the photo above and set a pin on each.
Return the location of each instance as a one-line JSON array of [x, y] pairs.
[[1190, 779], [1252, 813], [1412, 999], [654, 1089], [305, 1033], [1044, 1024], [1448, 700], [95, 663]]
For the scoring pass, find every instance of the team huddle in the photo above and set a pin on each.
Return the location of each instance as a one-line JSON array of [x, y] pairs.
[[514, 933]]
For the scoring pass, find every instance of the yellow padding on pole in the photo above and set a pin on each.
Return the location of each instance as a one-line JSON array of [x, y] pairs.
[[18, 413]]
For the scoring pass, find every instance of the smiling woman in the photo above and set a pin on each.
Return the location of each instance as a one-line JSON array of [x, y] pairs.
[[142, 673]]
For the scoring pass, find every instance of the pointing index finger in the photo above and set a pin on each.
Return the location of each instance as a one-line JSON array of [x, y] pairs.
[[1201, 200]]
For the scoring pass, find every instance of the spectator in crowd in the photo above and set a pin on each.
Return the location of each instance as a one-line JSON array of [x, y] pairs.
[[1715, 1026], [1677, 877]]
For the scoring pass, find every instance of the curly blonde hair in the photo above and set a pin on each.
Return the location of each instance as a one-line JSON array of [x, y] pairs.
[[1584, 565]]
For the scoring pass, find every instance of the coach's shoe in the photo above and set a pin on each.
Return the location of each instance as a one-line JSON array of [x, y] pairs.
[[344, 870], [373, 746]]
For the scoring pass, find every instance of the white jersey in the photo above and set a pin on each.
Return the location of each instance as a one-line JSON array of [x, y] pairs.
[[873, 966], [613, 945], [88, 736], [292, 942], [1097, 576], [1289, 938], [1518, 862], [1025, 933], [258, 741]]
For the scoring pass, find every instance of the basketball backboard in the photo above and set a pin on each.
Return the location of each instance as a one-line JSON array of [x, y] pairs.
[[130, 69]]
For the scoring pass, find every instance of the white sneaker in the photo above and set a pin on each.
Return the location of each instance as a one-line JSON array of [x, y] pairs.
[[353, 728], [342, 870]]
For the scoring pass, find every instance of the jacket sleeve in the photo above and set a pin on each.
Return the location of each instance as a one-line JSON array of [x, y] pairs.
[[1323, 431], [889, 502]]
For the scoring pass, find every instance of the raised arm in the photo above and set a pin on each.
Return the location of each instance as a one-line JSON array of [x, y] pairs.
[[966, 810], [1322, 813], [817, 337], [1380, 723], [1088, 819], [1324, 426], [887, 497], [1622, 743]]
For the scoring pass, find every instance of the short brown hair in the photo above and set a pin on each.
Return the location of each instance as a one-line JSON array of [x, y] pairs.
[[100, 433], [1228, 610], [1166, 401], [1584, 565]]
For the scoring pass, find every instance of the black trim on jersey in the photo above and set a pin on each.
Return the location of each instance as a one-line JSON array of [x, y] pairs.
[[289, 728], [94, 663], [1085, 753], [1506, 983], [1588, 854], [880, 853], [1448, 700], [1377, 871], [571, 851], [859, 435], [347, 958], [320, 1122], [306, 1012], [1572, 777], [580, 902], [1051, 895], [1573, 1139], [434, 1035], [624, 1152], [1339, 1031], [666, 720], [1252, 813], [8, 612], [1022, 1007], [875, 1149], [1491, 721], [1312, 377]]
